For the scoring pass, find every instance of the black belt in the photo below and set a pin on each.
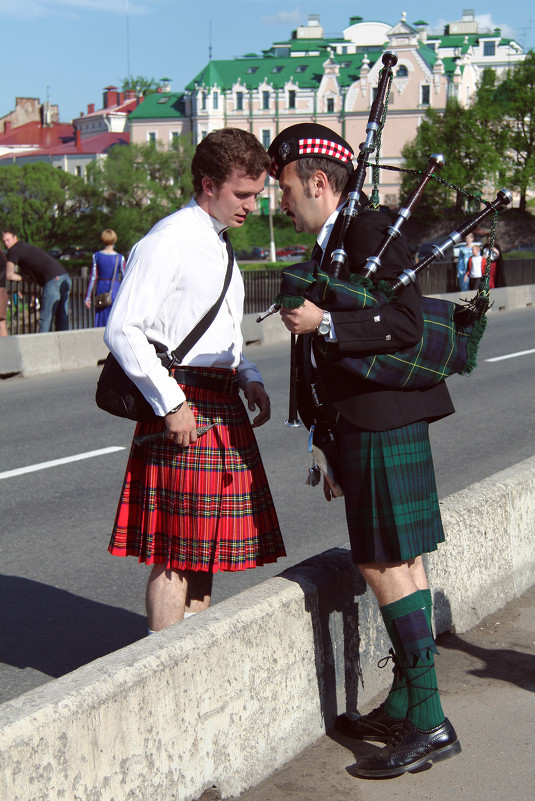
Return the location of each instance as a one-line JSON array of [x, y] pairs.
[[222, 384]]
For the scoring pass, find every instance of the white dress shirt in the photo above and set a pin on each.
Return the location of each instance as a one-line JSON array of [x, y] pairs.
[[173, 276]]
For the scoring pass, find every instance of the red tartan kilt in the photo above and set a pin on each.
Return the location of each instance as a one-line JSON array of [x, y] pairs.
[[208, 507]]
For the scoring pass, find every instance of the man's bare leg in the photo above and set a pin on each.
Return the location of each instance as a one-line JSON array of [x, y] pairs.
[[171, 592], [391, 581]]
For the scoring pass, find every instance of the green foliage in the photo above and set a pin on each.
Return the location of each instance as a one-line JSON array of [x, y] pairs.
[[44, 205], [487, 145], [137, 185], [516, 96], [468, 140], [255, 233], [140, 85]]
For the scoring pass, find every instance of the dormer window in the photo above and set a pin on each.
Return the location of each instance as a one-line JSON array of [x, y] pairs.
[[252, 70]]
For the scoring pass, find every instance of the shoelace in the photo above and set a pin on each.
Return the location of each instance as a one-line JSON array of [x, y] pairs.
[[396, 667]]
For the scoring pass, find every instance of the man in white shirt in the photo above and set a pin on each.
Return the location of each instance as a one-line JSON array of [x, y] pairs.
[[190, 504]]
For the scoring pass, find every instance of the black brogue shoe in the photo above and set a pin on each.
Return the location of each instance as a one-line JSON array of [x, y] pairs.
[[410, 749], [376, 726]]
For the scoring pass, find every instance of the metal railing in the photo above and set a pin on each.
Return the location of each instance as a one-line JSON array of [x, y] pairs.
[[260, 288]]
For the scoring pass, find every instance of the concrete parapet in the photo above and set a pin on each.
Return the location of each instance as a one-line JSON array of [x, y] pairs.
[[230, 695], [56, 352]]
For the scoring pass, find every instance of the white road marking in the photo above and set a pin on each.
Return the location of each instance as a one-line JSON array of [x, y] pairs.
[[32, 468], [511, 355]]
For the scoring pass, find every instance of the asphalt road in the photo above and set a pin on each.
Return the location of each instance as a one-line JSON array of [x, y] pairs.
[[65, 601]]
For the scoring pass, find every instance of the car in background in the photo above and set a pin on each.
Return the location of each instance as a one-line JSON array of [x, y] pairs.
[[74, 252], [255, 254], [292, 253]]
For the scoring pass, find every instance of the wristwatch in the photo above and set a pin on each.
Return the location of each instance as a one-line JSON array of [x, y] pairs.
[[325, 326]]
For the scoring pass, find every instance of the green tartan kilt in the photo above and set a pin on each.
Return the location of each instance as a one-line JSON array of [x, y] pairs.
[[390, 492]]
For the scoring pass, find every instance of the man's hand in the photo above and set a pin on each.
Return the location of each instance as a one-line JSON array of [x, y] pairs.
[[303, 320], [257, 397], [181, 426]]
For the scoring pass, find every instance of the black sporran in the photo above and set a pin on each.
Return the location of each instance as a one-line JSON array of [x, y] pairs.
[[117, 394]]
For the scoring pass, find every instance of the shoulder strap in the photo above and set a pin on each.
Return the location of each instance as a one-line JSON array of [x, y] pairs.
[[205, 322], [114, 271]]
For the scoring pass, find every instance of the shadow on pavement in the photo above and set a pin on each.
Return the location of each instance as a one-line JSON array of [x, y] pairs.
[[54, 631]]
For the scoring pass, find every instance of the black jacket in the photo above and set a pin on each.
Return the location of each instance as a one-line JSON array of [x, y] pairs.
[[366, 332]]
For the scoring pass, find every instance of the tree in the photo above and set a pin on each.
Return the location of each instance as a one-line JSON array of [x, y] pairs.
[[140, 85], [137, 185], [467, 141], [45, 206], [516, 96]]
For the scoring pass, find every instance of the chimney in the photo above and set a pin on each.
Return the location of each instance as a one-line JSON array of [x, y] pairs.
[[78, 140], [110, 96], [7, 126], [90, 108], [130, 94]]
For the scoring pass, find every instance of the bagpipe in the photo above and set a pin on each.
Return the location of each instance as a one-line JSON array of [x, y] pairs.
[[452, 331]]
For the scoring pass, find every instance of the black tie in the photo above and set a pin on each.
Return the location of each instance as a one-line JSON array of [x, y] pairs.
[[317, 254]]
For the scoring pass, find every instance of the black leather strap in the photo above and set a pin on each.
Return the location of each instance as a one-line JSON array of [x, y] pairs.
[[205, 322]]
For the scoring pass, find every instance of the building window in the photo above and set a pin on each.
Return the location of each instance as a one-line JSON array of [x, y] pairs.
[[203, 101], [330, 105], [266, 138], [174, 139], [215, 100], [265, 100], [79, 171], [489, 48], [291, 98], [239, 101], [425, 94], [151, 137], [402, 71]]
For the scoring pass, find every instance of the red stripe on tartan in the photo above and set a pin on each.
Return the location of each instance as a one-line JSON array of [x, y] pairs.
[[206, 508]]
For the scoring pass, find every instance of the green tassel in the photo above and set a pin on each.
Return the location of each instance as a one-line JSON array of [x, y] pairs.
[[360, 280], [288, 301], [473, 346]]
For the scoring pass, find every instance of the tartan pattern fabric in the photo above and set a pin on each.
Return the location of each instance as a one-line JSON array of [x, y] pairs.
[[414, 635], [207, 507], [447, 347], [324, 147], [449, 342], [390, 496]]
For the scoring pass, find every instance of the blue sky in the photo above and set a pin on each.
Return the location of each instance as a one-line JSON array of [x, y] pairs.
[[69, 50]]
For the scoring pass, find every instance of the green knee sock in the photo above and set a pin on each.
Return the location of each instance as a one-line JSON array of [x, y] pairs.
[[415, 694]]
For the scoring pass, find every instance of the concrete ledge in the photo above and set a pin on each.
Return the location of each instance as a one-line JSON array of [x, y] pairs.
[[56, 352], [31, 354], [227, 697]]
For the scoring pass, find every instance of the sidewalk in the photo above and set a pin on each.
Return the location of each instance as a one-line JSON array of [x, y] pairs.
[[487, 684]]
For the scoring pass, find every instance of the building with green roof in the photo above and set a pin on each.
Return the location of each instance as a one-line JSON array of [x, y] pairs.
[[331, 80]]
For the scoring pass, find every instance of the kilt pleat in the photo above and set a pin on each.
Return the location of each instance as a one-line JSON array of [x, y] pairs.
[[390, 492], [207, 507]]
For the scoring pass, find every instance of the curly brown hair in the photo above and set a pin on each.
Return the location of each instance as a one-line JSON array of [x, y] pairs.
[[225, 150]]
